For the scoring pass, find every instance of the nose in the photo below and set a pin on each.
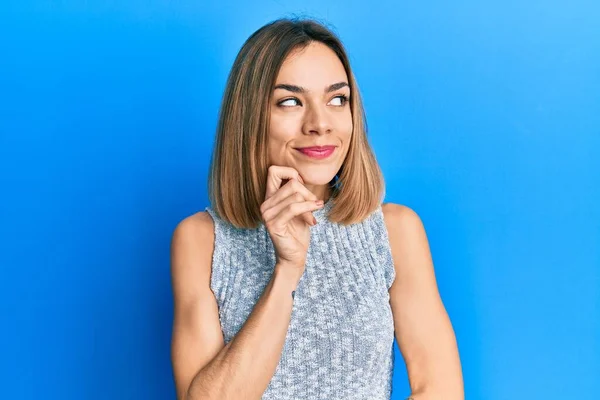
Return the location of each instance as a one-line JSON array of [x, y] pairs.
[[316, 121]]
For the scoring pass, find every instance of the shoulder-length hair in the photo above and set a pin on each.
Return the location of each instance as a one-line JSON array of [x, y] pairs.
[[238, 166]]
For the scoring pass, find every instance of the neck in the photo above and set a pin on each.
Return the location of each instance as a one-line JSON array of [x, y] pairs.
[[323, 192]]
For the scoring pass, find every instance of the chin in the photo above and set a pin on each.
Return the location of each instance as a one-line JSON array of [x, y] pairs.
[[317, 174], [314, 179]]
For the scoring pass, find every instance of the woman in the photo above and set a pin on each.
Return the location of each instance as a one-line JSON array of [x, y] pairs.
[[294, 282]]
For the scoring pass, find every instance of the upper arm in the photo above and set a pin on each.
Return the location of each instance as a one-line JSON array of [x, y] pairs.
[[423, 329], [196, 336]]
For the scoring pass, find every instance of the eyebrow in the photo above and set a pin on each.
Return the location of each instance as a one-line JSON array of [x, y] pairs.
[[300, 89]]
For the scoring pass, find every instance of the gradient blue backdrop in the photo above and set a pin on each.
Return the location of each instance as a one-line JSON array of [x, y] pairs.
[[484, 115]]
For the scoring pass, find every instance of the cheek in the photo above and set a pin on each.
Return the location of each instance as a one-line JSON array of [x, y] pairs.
[[344, 123], [283, 126], [349, 128], [345, 130], [281, 131]]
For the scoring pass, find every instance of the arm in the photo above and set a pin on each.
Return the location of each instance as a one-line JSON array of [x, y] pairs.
[[203, 367], [423, 329]]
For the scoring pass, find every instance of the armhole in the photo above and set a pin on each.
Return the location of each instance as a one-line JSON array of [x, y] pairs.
[[384, 250], [216, 270]]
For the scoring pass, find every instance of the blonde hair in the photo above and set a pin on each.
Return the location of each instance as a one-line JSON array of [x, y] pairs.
[[238, 166]]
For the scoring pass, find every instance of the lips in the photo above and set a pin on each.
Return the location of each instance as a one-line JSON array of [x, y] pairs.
[[317, 152]]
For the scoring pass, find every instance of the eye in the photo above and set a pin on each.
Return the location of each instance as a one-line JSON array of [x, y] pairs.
[[340, 100], [289, 102]]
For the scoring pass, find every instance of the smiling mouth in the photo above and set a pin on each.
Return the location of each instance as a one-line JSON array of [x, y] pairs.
[[317, 153]]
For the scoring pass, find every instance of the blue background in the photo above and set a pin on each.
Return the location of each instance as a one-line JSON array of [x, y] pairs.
[[484, 115]]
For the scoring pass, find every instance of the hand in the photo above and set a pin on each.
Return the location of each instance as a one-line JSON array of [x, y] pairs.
[[287, 215]]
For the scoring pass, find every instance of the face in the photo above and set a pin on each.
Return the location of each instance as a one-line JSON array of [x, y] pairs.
[[310, 107]]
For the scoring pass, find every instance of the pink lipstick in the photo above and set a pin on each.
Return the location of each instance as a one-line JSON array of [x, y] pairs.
[[317, 152]]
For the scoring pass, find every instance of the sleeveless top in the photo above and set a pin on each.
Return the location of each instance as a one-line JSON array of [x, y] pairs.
[[339, 343]]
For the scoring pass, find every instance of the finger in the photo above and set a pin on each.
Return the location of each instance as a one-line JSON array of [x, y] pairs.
[[291, 187], [293, 210], [298, 187], [275, 176], [296, 197]]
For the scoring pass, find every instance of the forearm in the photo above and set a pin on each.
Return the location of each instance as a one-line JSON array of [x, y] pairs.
[[245, 366]]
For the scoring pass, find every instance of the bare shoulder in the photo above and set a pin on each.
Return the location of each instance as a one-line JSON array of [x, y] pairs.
[[200, 223], [194, 231], [408, 240], [192, 246], [399, 217]]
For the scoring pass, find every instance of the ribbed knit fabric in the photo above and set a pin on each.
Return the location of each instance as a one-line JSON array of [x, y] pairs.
[[339, 343]]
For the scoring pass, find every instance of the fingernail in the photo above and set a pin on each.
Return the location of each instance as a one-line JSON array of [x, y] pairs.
[[300, 179], [314, 221], [319, 202]]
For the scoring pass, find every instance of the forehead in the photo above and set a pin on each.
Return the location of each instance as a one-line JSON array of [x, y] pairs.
[[313, 67]]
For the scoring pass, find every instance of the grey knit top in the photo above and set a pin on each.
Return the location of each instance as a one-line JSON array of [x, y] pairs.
[[339, 344]]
